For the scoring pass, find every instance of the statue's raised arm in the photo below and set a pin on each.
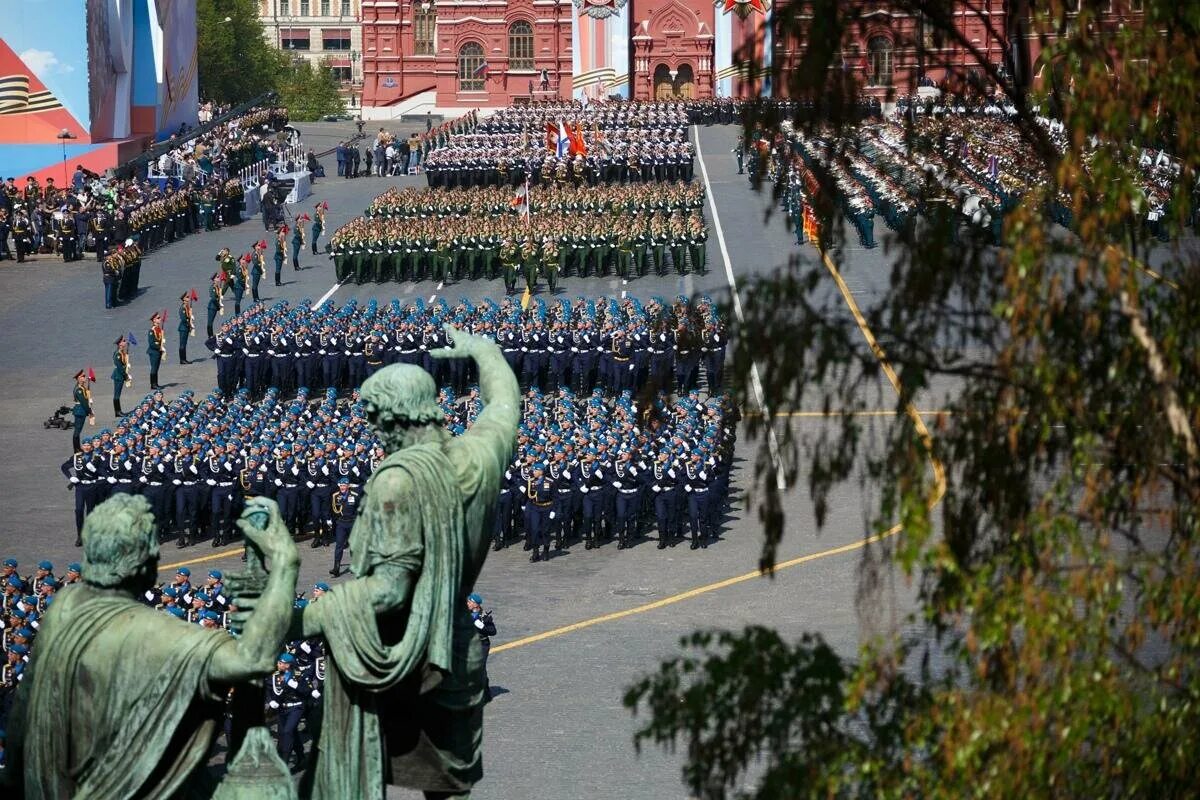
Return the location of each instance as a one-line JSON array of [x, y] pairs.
[[407, 661]]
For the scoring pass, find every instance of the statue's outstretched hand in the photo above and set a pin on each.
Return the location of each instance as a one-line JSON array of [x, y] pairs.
[[262, 524], [466, 345]]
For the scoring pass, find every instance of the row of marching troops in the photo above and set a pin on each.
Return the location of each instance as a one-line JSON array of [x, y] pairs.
[[637, 160], [602, 114], [627, 157], [591, 468], [410, 202], [731, 110], [546, 247], [583, 344], [23, 602], [196, 462]]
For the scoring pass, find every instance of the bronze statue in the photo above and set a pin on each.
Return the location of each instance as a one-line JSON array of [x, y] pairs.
[[403, 701], [138, 695]]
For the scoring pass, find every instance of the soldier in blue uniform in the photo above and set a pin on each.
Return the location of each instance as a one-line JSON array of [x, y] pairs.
[[81, 470], [695, 485], [539, 512], [626, 481], [344, 505], [287, 693], [664, 481], [485, 628]]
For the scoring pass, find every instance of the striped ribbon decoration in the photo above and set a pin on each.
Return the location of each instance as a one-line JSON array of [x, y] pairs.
[[15, 97]]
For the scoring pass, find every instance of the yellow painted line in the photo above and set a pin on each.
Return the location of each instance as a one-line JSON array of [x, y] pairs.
[[834, 414], [690, 593], [233, 551], [939, 473]]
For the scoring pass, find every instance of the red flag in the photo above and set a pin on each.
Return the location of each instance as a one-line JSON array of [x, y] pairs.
[[195, 296], [284, 229], [551, 137], [578, 148], [91, 375], [325, 205], [163, 321]]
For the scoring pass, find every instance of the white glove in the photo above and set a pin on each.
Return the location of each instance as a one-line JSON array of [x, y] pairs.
[[273, 704], [687, 488], [551, 515], [211, 482], [584, 489], [479, 624], [177, 482], [74, 479], [656, 488], [309, 484]]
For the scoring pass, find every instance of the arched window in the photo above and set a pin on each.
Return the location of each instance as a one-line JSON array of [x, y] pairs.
[[424, 23], [880, 54], [520, 45], [471, 68]]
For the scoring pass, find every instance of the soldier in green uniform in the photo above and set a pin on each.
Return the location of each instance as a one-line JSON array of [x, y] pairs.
[[550, 263]]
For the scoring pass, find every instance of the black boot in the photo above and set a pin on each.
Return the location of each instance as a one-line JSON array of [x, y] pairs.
[[183, 357], [183, 540], [534, 558], [546, 552], [117, 408], [336, 571], [78, 540], [154, 381]]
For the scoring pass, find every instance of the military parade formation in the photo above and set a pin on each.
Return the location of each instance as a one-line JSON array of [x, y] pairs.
[[548, 233]]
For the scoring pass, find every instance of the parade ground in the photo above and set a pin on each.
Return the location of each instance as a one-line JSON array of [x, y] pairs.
[[575, 632]]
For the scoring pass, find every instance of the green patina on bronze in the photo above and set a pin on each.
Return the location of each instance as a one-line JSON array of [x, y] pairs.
[[404, 693], [122, 701]]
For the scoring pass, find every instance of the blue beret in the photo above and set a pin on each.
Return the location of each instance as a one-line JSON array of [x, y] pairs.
[[215, 573], [210, 615], [51, 582], [324, 587], [201, 596], [184, 571], [287, 658], [176, 611], [475, 598], [25, 632], [19, 649], [171, 591], [10, 562], [15, 581]]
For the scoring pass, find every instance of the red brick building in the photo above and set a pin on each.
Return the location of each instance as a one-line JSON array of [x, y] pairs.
[[450, 54], [419, 54]]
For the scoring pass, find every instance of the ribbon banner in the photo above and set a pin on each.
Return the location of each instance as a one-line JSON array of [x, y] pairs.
[[16, 99]]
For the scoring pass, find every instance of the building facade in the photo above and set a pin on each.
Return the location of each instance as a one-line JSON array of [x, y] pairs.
[[324, 32], [420, 55]]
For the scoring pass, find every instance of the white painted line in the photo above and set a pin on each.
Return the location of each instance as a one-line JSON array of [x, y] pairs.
[[328, 294], [440, 284], [431, 297], [755, 380]]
